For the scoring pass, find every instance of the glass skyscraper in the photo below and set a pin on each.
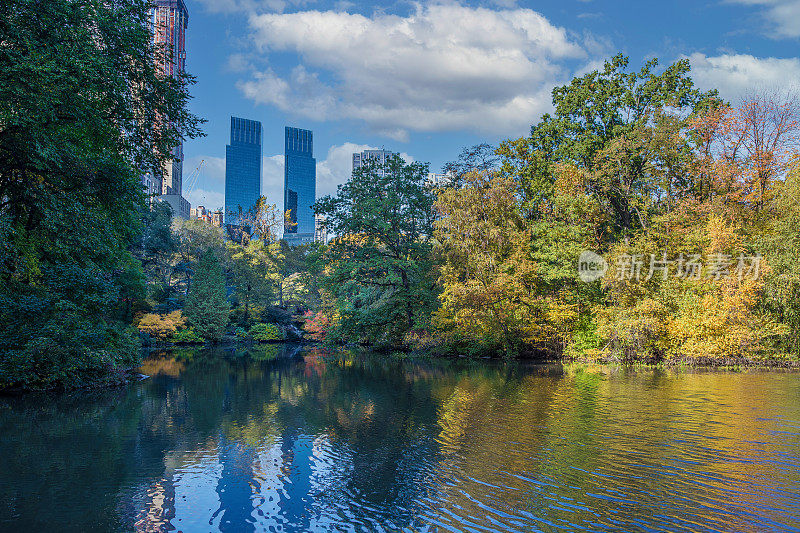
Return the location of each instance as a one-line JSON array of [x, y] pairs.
[[242, 168], [299, 185]]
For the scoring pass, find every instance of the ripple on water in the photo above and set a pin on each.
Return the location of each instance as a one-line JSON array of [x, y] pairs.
[[344, 442]]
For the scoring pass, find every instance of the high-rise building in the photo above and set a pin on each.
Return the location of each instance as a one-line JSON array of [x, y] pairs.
[[380, 157], [300, 185], [242, 169], [320, 231], [169, 19]]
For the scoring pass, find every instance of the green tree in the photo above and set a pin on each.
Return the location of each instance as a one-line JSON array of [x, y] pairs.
[[207, 303], [600, 125], [380, 268], [251, 270], [781, 245], [82, 110], [157, 252], [192, 238]]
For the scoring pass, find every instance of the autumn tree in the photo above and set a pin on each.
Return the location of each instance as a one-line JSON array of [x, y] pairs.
[[600, 126], [251, 270]]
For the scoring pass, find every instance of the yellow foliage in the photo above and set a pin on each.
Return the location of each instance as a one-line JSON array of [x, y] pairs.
[[161, 326]]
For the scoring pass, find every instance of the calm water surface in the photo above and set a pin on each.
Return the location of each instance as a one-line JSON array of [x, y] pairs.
[[287, 440]]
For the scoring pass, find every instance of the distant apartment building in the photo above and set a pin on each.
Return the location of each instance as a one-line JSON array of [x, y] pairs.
[[213, 218], [380, 157], [242, 169], [320, 231], [439, 180], [168, 22], [299, 185]]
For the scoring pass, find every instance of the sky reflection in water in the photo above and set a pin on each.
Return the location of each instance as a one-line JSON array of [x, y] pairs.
[[280, 440]]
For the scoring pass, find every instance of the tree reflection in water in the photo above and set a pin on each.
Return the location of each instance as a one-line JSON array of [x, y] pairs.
[[283, 438]]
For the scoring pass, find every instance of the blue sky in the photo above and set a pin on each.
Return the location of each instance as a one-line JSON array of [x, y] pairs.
[[426, 79]]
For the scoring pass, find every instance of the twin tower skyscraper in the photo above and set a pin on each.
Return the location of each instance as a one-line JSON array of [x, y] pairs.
[[243, 162]]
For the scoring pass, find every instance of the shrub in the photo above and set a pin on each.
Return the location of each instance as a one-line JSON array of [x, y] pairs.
[[186, 336], [317, 325], [161, 326], [265, 333]]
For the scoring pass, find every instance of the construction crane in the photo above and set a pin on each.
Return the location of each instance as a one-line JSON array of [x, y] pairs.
[[192, 179]]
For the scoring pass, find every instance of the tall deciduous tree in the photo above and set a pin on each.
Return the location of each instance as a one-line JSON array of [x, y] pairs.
[[251, 269], [380, 266], [83, 112], [598, 125]]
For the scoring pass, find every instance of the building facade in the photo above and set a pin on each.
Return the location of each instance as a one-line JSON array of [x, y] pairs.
[[439, 180], [242, 169], [320, 231], [299, 185], [380, 157], [208, 216], [168, 23]]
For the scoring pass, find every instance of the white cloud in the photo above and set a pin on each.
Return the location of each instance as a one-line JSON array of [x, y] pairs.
[[238, 63], [444, 67], [337, 166], [782, 16], [737, 75]]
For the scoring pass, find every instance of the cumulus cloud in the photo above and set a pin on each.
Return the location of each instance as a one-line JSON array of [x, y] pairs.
[[782, 16], [337, 166], [443, 67], [737, 75]]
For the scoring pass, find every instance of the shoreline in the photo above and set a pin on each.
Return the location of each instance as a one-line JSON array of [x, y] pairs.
[[125, 377]]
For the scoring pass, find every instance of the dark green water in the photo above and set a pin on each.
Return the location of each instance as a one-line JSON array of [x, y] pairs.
[[339, 441]]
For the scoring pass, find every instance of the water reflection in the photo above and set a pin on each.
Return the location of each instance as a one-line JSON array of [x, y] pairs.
[[285, 439]]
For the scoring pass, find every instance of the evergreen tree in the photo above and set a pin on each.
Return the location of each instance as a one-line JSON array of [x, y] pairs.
[[207, 304]]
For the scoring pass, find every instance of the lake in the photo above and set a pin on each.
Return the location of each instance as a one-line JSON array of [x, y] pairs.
[[281, 438]]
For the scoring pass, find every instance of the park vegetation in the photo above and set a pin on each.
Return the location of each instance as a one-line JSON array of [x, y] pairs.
[[693, 202]]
